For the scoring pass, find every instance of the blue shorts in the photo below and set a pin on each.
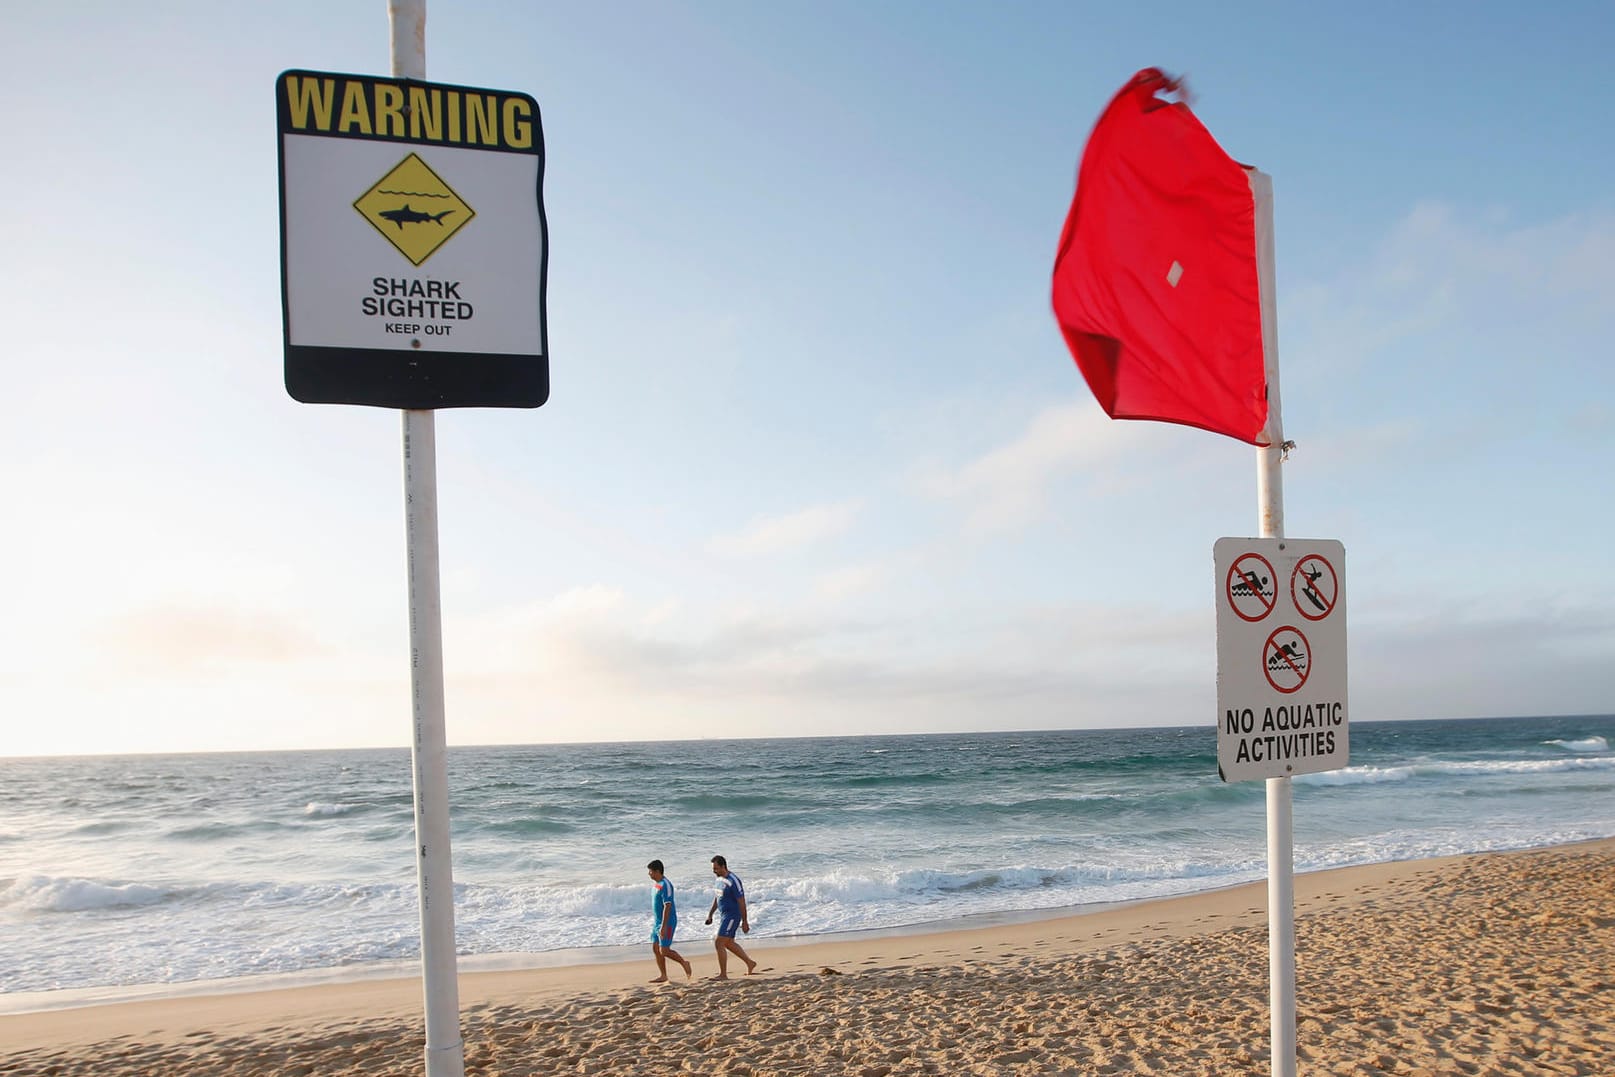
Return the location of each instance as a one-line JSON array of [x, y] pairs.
[[656, 935], [728, 925]]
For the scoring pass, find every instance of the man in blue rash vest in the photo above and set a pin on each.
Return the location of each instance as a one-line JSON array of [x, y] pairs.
[[732, 900], [665, 919]]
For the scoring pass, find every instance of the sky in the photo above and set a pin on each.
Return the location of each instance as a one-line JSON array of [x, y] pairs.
[[816, 460]]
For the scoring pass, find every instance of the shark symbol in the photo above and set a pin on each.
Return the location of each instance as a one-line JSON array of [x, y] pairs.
[[404, 216]]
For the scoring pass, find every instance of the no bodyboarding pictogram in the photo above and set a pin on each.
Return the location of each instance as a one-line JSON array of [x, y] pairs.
[[1286, 659]]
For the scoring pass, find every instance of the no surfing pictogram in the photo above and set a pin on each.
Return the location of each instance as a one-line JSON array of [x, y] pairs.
[[1250, 587], [1314, 587], [1286, 659]]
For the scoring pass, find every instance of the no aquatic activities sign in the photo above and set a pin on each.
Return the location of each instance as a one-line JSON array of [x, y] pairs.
[[413, 243], [1281, 657]]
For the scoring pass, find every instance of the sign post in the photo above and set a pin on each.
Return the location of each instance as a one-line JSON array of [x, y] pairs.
[[1163, 288], [1269, 661], [414, 253], [1270, 518]]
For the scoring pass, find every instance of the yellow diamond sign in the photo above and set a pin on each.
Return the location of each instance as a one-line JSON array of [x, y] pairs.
[[414, 209]]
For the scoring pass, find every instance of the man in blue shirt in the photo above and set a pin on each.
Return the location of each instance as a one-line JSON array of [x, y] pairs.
[[732, 900], [665, 919]]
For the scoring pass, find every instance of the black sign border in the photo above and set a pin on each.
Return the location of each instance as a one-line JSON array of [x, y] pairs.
[[414, 380]]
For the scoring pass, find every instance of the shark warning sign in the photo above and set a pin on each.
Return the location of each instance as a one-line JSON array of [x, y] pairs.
[[414, 248]]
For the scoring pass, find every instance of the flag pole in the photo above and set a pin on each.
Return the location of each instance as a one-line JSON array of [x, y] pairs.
[[1280, 817], [445, 1050]]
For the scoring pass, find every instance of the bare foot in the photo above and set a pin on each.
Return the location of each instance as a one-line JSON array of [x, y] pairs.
[[721, 976], [689, 970], [659, 980], [751, 967]]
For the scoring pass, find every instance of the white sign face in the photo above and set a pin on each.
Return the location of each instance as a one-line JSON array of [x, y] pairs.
[[1281, 657], [353, 284], [413, 243]]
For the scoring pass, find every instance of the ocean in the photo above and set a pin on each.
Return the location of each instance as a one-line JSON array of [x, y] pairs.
[[125, 874]]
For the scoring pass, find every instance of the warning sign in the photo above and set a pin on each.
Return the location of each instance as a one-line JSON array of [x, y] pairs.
[[1281, 657], [391, 206], [414, 247]]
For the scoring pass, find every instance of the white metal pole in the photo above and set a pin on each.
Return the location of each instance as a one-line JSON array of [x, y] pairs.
[[445, 1050], [1280, 819]]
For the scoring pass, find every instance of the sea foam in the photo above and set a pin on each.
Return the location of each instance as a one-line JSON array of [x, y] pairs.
[[1585, 744], [44, 893]]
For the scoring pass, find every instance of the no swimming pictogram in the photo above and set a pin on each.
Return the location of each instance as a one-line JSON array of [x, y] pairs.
[[1314, 587], [1286, 659], [1250, 587]]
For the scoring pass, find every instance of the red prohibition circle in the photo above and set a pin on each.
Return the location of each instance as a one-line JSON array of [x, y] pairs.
[[1252, 584], [1311, 601], [1300, 663]]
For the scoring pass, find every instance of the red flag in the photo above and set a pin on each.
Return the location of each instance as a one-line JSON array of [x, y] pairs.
[[1155, 283]]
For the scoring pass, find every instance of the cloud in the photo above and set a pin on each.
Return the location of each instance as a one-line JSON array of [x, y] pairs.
[[1007, 487], [1366, 447], [1441, 268], [846, 583], [1440, 248], [586, 603], [630, 669], [1465, 659], [201, 676], [785, 672], [184, 638], [777, 534]]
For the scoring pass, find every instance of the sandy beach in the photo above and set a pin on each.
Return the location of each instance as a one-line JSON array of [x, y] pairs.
[[1484, 964]]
